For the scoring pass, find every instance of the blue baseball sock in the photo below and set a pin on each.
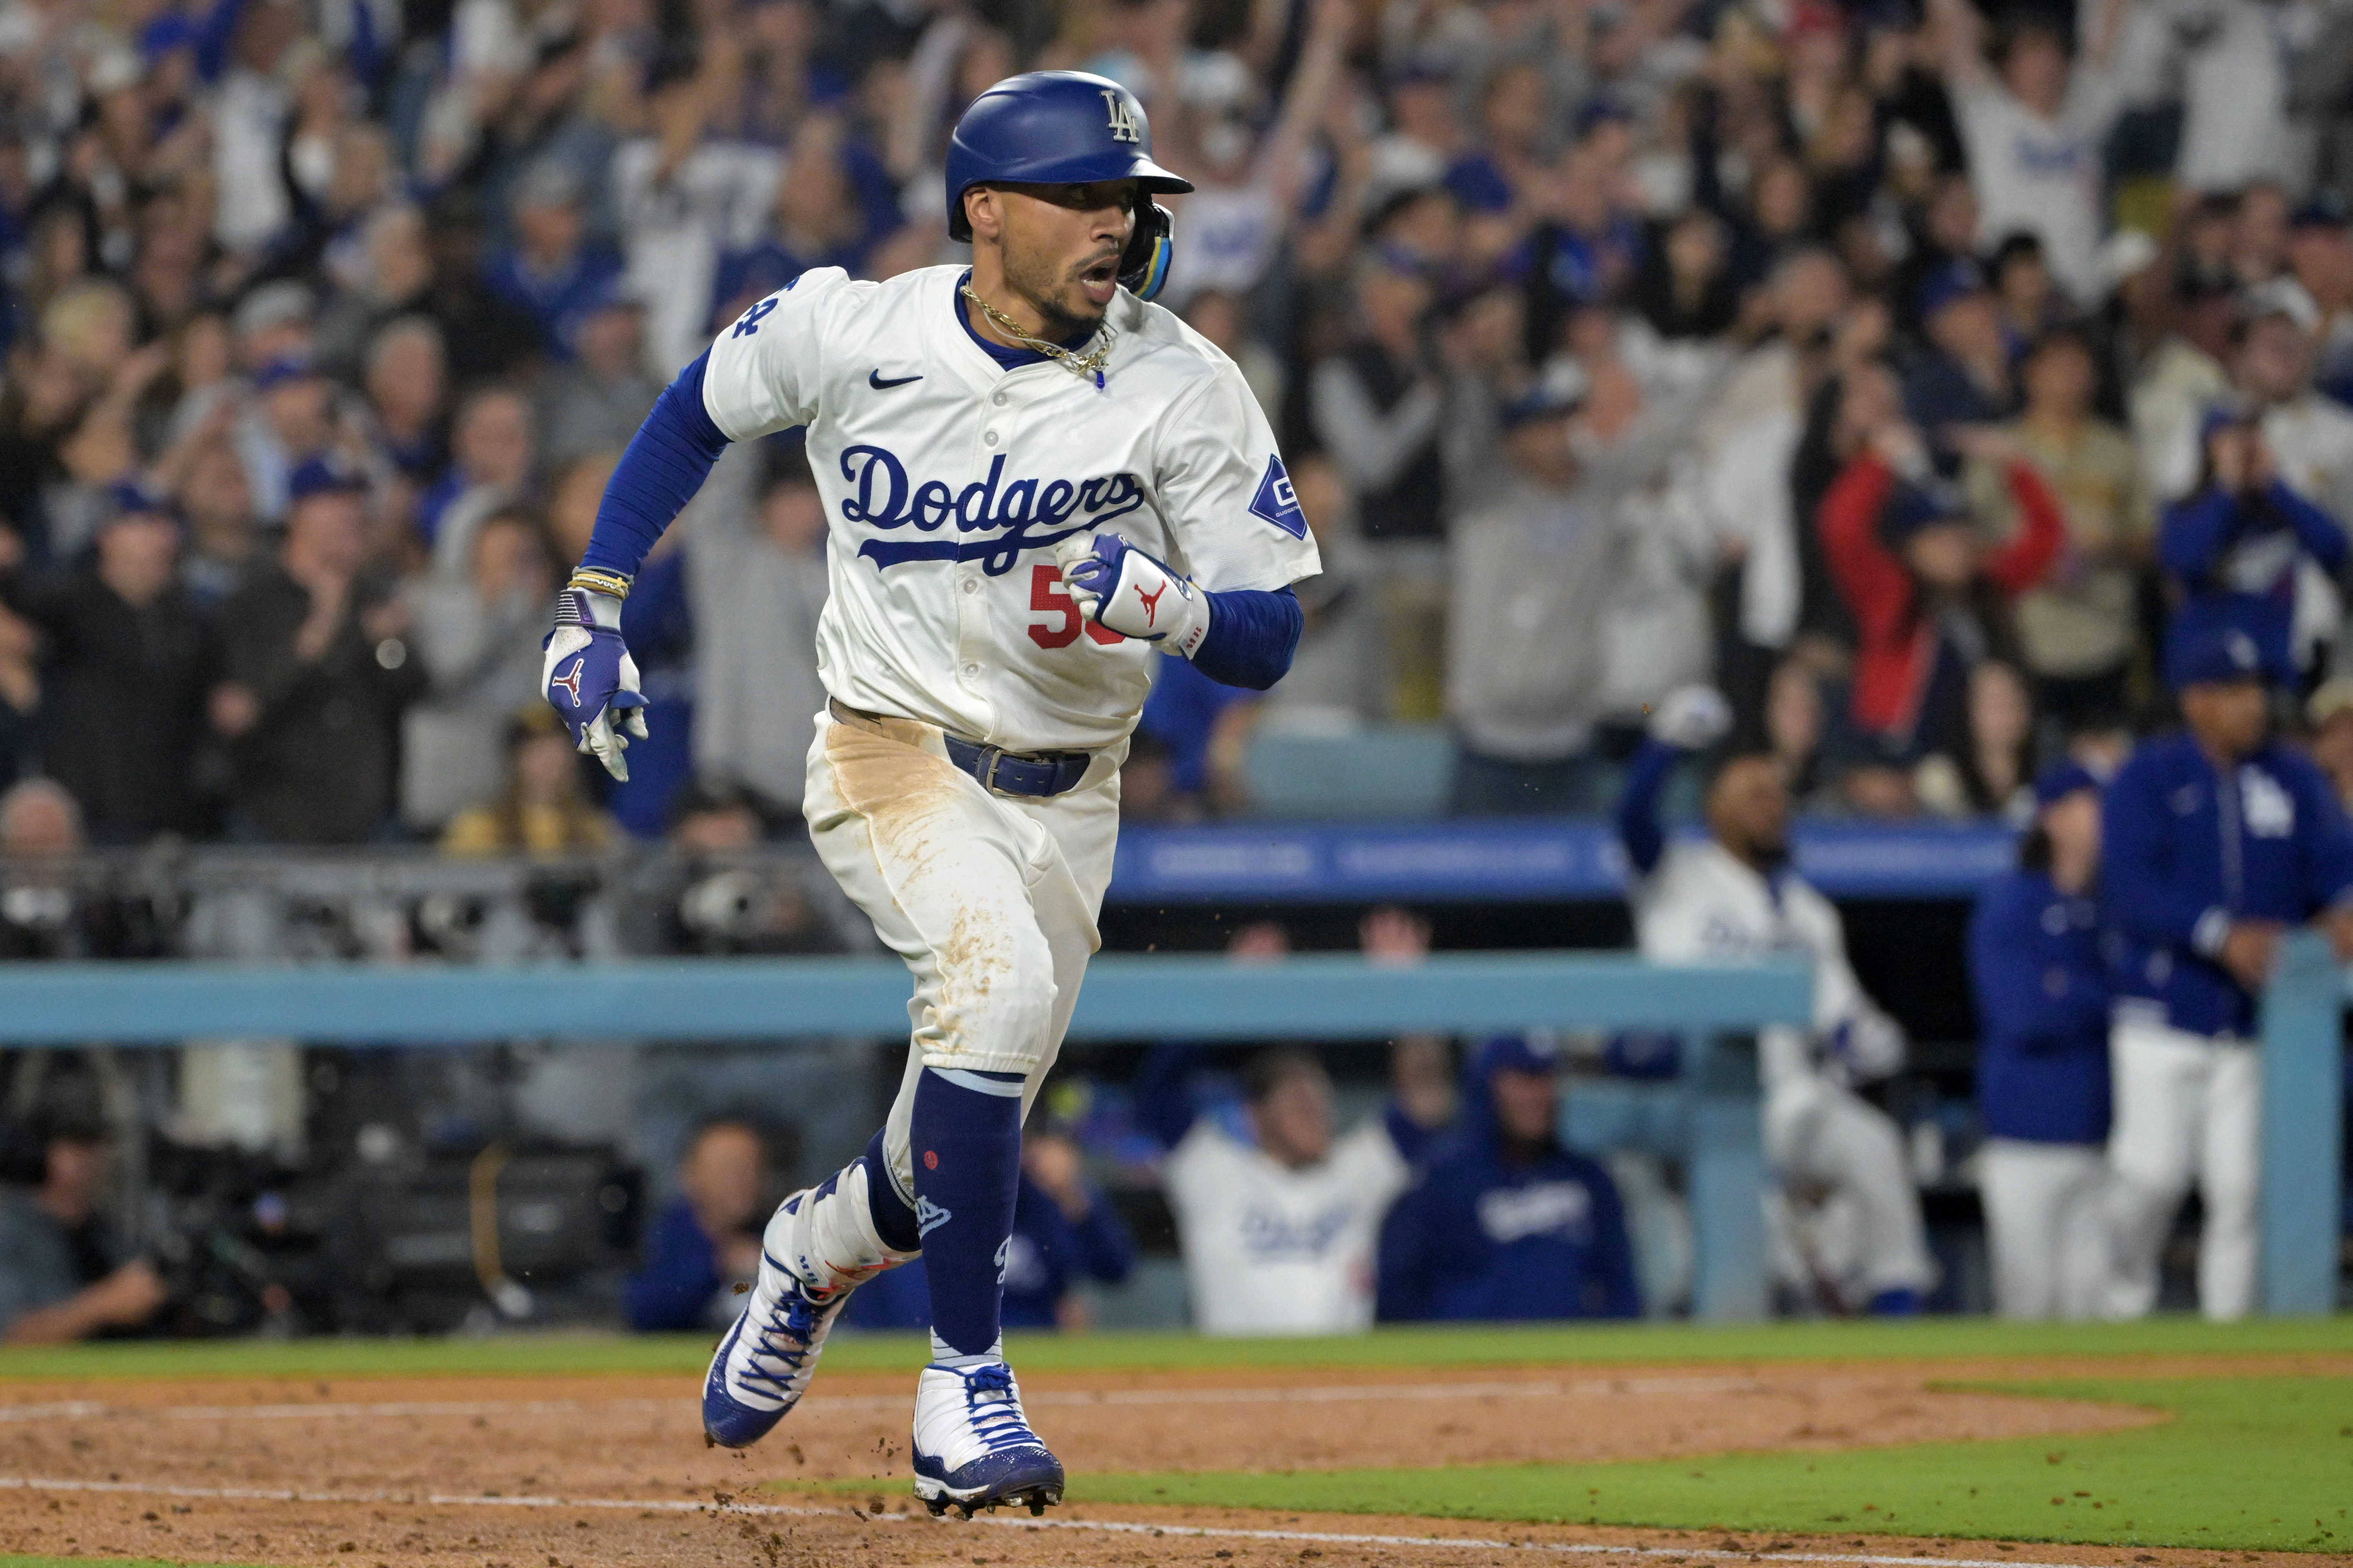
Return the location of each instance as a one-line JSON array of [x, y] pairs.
[[894, 1222], [967, 1140]]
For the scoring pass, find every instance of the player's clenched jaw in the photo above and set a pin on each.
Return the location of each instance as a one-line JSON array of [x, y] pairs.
[[1048, 256]]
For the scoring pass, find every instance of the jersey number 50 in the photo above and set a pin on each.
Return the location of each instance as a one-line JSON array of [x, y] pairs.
[[1048, 594]]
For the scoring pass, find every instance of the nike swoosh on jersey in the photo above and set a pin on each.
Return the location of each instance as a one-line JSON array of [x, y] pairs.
[[874, 379]]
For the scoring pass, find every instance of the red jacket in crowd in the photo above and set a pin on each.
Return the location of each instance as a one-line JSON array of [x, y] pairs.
[[1895, 652]]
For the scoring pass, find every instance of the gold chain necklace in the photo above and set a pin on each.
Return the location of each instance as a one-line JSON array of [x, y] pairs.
[[1081, 365]]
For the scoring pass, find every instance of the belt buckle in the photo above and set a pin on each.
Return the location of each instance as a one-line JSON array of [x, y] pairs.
[[989, 757]]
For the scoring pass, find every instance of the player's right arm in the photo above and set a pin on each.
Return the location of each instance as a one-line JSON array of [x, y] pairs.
[[760, 376], [1690, 719]]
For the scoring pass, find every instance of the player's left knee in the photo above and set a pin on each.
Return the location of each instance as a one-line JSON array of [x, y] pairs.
[[996, 994]]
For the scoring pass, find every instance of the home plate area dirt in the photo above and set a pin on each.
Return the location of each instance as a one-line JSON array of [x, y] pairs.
[[600, 1472]]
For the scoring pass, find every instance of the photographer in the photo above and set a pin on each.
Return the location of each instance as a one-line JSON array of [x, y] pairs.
[[63, 1276], [722, 893]]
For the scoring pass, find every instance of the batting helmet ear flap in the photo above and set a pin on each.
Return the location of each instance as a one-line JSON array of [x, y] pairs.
[[1144, 265]]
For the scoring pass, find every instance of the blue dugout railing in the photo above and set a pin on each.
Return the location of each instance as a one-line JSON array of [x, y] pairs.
[[2304, 1204], [1126, 997], [1708, 1115]]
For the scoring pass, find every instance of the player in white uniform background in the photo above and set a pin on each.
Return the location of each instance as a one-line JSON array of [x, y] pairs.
[[1846, 1215], [1033, 478], [1280, 1229]]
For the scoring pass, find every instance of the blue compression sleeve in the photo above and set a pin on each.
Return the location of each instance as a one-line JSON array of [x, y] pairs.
[[1638, 807], [667, 462], [1252, 635]]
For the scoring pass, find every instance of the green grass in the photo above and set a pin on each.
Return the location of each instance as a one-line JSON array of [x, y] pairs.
[[538, 1355], [2246, 1462]]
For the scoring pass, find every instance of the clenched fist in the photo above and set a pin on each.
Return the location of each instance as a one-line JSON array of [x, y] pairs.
[[1135, 593]]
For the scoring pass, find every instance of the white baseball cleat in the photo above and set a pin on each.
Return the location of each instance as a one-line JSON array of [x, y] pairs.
[[973, 1447], [818, 1247], [764, 1365]]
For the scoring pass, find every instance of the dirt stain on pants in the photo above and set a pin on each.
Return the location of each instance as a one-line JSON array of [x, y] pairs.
[[990, 900]]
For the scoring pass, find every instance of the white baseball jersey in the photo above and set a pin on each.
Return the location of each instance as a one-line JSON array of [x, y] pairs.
[[1273, 1250], [947, 479], [1702, 905]]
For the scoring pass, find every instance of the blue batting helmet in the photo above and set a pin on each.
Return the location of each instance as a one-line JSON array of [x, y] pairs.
[[1051, 128]]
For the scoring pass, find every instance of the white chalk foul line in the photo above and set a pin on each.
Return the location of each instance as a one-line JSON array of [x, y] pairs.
[[1096, 1526], [59, 1410], [86, 1409]]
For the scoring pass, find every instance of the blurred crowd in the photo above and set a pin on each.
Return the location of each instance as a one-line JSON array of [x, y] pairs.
[[1928, 380], [1912, 376]]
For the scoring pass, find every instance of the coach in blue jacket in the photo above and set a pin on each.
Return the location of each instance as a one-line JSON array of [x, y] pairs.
[[2218, 839], [2042, 987], [1506, 1223]]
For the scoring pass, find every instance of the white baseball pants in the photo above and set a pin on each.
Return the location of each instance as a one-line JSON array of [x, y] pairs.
[[2047, 1228], [991, 899], [1821, 1136], [2187, 1106]]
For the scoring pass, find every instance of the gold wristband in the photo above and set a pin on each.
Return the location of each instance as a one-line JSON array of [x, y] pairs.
[[599, 582]]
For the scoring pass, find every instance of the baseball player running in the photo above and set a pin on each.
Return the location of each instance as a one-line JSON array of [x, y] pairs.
[[1032, 478]]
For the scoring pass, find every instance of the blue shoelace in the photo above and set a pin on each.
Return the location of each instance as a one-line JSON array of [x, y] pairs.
[[997, 1416], [785, 1337]]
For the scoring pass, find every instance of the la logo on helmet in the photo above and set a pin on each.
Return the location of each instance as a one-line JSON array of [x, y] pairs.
[[1123, 123]]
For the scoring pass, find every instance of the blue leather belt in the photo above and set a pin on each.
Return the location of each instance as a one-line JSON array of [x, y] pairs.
[[1001, 772]]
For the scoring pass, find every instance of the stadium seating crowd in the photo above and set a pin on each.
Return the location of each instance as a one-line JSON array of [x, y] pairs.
[[1904, 373], [1920, 377]]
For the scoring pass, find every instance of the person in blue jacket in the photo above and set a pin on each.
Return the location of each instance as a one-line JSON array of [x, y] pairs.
[[1063, 1230], [708, 1238], [2216, 841], [2234, 546], [1506, 1223], [2042, 987]]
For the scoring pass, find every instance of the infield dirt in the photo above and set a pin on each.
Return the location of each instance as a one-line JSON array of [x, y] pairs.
[[612, 1472]]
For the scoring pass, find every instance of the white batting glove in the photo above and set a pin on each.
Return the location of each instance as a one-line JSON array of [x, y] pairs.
[[1135, 593], [589, 677], [1692, 718]]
